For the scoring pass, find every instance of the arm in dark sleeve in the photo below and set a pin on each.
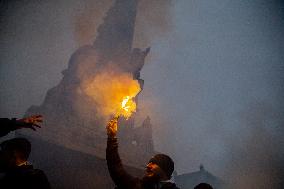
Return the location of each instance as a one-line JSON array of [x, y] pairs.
[[120, 177], [7, 125], [40, 180], [34, 179]]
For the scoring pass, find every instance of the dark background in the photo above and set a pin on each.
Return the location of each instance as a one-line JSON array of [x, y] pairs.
[[213, 79]]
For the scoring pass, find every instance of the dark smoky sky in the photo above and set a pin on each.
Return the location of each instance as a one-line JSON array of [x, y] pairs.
[[213, 80], [215, 90]]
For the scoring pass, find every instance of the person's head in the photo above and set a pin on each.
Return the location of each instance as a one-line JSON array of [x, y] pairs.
[[14, 152], [159, 168], [203, 186]]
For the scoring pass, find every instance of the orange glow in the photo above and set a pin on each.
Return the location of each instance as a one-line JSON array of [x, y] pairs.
[[113, 93]]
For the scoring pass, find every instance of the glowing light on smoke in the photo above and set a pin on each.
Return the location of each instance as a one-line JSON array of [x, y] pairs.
[[113, 93]]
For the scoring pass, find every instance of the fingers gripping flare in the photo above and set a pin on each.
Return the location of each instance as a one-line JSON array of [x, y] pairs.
[[112, 127]]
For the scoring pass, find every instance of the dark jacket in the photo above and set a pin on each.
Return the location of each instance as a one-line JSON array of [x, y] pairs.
[[7, 125], [24, 177], [121, 178]]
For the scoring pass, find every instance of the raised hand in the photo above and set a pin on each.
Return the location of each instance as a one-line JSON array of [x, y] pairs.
[[31, 122]]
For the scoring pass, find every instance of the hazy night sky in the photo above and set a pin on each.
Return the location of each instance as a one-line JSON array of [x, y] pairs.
[[213, 79]]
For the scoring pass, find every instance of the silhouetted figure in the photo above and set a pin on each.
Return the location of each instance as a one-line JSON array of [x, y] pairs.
[[7, 125], [158, 170], [203, 186], [18, 173]]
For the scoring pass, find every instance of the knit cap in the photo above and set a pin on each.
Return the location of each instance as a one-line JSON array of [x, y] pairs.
[[164, 162]]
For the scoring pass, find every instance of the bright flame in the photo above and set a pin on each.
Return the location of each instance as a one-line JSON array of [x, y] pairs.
[[124, 102], [128, 106], [113, 93]]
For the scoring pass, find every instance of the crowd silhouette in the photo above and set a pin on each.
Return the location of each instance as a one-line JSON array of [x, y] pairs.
[[17, 172]]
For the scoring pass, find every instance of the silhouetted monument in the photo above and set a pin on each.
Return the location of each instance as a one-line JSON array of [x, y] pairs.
[[70, 116], [73, 130]]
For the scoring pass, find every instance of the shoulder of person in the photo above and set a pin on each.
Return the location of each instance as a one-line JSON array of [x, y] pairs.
[[169, 185], [35, 173]]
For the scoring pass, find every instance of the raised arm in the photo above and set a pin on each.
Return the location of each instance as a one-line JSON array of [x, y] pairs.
[[8, 125], [117, 172]]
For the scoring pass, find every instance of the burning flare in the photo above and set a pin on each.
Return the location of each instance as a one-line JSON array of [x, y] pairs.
[[127, 107], [113, 93]]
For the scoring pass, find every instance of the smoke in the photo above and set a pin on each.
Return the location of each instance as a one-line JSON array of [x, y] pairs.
[[109, 88], [219, 83], [87, 20], [214, 94], [254, 156], [154, 21]]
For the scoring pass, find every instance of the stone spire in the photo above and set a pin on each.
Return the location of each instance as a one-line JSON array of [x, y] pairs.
[[115, 35]]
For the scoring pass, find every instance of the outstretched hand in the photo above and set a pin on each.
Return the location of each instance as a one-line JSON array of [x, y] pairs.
[[112, 128], [31, 122]]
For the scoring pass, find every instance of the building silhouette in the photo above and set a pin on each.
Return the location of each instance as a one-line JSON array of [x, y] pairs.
[[70, 147], [190, 180]]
